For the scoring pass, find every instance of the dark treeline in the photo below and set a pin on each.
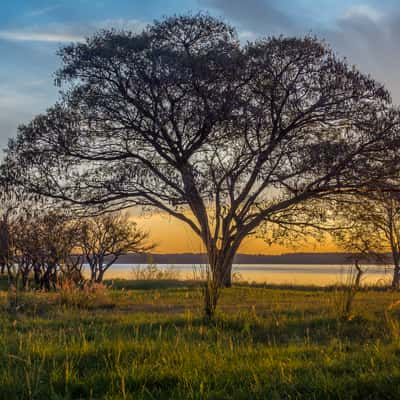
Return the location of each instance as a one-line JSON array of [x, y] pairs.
[[290, 258]]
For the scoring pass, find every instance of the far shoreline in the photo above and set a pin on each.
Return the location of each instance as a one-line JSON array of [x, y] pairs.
[[287, 258]]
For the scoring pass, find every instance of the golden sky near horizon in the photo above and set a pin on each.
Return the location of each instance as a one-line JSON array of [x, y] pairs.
[[173, 236]]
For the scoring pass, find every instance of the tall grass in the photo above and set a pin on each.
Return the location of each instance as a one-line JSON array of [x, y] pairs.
[[344, 293], [154, 344]]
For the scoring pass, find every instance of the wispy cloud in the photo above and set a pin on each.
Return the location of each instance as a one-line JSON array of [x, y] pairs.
[[42, 11], [30, 36], [61, 33], [363, 11], [253, 15], [134, 25]]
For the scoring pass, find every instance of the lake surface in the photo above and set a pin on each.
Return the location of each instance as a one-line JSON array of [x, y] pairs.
[[315, 274]]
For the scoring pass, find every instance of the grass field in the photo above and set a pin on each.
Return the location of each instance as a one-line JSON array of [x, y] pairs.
[[149, 341]]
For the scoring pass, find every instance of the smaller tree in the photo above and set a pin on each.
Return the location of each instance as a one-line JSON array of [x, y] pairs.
[[59, 236], [371, 230], [362, 239], [25, 247], [105, 238], [42, 245], [13, 203]]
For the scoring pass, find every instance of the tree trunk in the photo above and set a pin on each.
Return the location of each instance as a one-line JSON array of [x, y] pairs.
[[10, 274], [37, 274], [360, 273], [49, 278], [100, 276], [396, 264], [220, 276], [211, 295], [220, 271], [396, 277], [396, 260], [25, 275], [92, 273], [227, 276], [225, 261], [93, 269], [45, 281]]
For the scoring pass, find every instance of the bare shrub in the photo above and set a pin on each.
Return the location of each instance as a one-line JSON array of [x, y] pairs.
[[87, 296], [152, 272]]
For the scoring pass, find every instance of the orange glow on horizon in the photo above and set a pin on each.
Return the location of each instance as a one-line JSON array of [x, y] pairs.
[[173, 236]]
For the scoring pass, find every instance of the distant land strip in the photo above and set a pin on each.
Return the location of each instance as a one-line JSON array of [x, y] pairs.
[[290, 258]]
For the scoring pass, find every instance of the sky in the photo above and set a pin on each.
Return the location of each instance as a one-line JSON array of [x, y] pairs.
[[366, 32]]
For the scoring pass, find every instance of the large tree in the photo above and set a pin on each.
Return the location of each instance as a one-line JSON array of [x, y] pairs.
[[183, 119]]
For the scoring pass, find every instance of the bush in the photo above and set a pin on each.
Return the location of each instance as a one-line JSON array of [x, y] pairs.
[[86, 296]]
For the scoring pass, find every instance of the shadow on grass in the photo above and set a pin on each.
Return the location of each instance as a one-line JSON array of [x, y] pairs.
[[243, 329], [312, 288], [125, 284]]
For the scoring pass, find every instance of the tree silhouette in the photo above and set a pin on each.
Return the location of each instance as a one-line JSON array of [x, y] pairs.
[[104, 238], [181, 118], [373, 228]]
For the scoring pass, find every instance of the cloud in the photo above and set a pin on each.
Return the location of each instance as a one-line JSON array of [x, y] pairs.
[[43, 11], [255, 15], [32, 36], [362, 11], [60, 33], [21, 99], [134, 25], [367, 36], [371, 41]]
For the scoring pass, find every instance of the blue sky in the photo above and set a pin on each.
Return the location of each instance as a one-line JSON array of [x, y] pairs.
[[367, 32]]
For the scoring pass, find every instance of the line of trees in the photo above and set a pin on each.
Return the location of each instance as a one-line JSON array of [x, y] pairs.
[[184, 119], [46, 249]]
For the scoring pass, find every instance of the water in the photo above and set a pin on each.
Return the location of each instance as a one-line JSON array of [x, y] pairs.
[[300, 274]]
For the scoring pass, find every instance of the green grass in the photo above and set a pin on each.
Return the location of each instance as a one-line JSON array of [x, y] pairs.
[[149, 341]]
